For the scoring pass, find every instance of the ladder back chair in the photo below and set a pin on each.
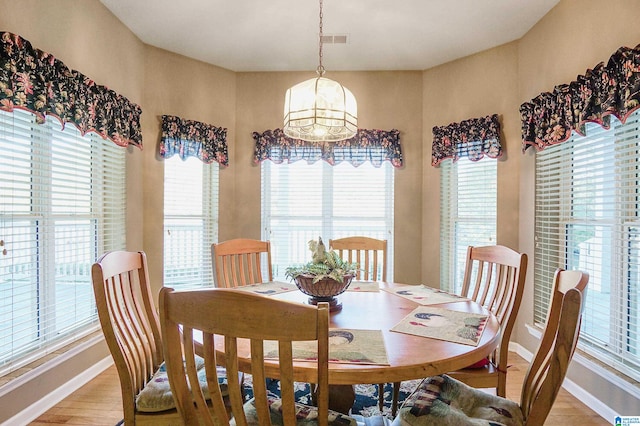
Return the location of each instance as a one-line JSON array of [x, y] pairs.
[[371, 256], [214, 314], [494, 277], [132, 331], [470, 406], [369, 253], [237, 262]]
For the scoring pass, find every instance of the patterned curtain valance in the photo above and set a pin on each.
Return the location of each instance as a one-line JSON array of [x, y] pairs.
[[473, 138], [189, 138], [607, 89], [33, 80], [375, 146]]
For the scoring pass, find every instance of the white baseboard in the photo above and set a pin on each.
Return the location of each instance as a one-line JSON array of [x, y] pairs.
[[41, 406]]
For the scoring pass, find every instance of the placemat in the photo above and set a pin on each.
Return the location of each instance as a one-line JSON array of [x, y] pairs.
[[424, 295], [443, 324], [347, 346], [371, 286], [269, 288]]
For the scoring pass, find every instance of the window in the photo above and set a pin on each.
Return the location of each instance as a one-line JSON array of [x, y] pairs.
[[588, 218], [190, 221], [467, 214], [302, 201], [62, 204]]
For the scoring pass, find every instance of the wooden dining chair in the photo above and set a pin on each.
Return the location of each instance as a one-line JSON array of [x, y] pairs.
[[494, 276], [215, 314], [443, 400], [132, 331], [371, 256], [237, 262], [369, 253]]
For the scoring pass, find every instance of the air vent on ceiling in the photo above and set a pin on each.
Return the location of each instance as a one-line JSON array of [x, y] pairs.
[[334, 39]]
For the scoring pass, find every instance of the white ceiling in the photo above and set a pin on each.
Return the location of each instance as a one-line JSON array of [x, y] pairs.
[[282, 35]]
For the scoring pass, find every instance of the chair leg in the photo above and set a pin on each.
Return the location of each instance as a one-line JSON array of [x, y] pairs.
[[394, 399], [381, 396]]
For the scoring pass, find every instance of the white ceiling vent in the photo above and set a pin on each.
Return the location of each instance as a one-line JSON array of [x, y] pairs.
[[334, 39]]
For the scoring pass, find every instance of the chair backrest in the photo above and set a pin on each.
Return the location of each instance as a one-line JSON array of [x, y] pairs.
[[129, 321], [559, 339], [494, 276], [369, 253], [214, 315], [238, 262]]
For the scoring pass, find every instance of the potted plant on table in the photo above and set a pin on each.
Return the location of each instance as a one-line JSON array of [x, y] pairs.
[[326, 276]]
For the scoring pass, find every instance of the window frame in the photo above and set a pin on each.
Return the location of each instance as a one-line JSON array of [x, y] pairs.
[[72, 179], [296, 251]]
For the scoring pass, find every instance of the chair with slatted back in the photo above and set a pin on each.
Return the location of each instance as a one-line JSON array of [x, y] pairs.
[[494, 277], [132, 332], [443, 400], [371, 256], [369, 253], [238, 262], [212, 314]]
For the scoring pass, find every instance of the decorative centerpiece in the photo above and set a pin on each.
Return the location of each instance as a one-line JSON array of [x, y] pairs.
[[325, 277]]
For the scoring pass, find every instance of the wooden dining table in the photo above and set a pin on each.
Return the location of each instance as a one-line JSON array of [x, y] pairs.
[[409, 356]]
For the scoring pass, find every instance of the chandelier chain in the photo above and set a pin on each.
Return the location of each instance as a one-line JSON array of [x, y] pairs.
[[320, 70]]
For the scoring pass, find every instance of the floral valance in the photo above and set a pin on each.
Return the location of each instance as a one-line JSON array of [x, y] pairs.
[[189, 138], [375, 146], [607, 89], [33, 80], [473, 138]]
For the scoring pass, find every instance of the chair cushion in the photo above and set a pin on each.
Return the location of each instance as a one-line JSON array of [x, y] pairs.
[[305, 414], [442, 400], [156, 395], [480, 364]]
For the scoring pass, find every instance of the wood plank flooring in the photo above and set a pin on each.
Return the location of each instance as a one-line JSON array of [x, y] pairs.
[[98, 402]]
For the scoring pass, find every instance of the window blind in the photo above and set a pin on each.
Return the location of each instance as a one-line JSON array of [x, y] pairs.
[[190, 221], [468, 204], [62, 204], [587, 218], [302, 201]]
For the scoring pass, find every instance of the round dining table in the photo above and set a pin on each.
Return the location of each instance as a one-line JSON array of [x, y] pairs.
[[409, 356]]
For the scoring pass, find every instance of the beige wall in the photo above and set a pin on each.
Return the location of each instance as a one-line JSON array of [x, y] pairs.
[[472, 87], [176, 85], [571, 38], [386, 100], [574, 36]]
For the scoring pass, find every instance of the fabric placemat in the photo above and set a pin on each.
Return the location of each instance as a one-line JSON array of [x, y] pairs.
[[424, 295], [346, 346], [371, 286], [443, 324], [269, 288]]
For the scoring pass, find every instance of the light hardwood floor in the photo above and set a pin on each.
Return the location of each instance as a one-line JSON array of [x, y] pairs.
[[98, 402]]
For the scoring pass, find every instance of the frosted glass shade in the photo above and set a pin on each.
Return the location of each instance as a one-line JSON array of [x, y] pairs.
[[319, 110]]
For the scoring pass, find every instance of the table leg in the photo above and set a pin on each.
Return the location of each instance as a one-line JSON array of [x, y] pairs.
[[341, 398]]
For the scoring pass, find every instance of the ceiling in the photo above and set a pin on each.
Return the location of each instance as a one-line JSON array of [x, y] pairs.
[[282, 35]]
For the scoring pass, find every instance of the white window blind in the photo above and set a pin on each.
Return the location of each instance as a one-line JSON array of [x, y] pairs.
[[587, 218], [62, 204], [302, 201], [190, 221], [468, 202]]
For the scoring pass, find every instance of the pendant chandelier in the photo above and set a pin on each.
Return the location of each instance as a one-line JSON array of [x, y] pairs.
[[320, 109]]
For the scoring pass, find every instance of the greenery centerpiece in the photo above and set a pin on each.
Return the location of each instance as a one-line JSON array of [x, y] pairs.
[[326, 276]]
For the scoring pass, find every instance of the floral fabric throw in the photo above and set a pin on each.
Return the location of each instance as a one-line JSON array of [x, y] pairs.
[[35, 81], [189, 138], [375, 146], [607, 89], [473, 138]]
